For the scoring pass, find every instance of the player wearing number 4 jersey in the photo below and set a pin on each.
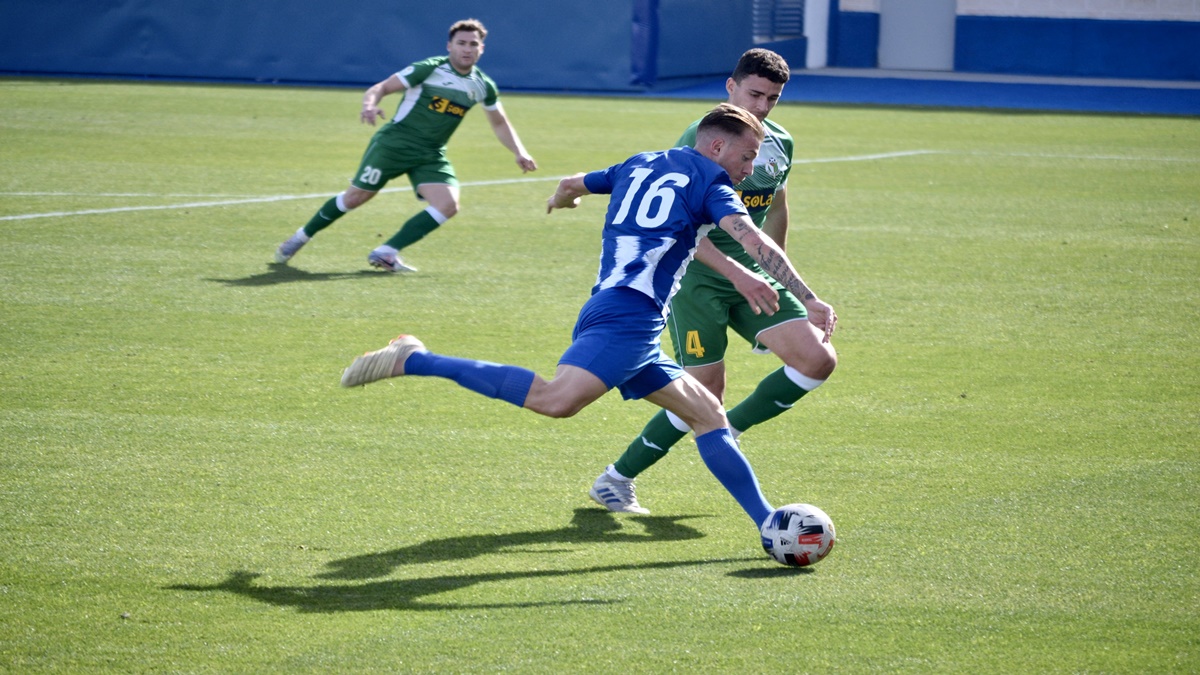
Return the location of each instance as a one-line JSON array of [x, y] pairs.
[[726, 289], [438, 92], [662, 204]]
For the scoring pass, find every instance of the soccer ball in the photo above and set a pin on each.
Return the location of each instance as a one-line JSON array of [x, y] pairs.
[[797, 535]]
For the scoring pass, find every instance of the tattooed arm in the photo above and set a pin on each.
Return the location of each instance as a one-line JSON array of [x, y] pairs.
[[775, 263]]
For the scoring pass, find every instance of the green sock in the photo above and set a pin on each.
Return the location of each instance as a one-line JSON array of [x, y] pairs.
[[413, 230], [324, 217], [774, 396], [652, 445]]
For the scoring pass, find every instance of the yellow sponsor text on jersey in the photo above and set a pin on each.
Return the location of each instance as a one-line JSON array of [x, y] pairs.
[[446, 106], [756, 199]]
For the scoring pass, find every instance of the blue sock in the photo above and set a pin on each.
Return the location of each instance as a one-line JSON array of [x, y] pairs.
[[722, 457], [494, 380]]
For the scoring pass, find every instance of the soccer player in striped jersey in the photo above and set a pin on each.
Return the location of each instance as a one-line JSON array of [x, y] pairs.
[[438, 92], [661, 205], [728, 290]]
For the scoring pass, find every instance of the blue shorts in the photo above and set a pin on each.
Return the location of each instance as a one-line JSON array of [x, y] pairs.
[[617, 339]]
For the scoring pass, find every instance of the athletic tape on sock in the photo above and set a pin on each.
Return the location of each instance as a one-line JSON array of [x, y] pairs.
[[678, 423], [801, 380]]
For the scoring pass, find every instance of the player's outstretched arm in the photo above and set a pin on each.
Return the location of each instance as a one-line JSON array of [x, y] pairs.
[[568, 194], [775, 263], [760, 295], [507, 135], [374, 94]]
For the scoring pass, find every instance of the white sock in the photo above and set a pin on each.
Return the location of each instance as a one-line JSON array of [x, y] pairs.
[[678, 423], [801, 380], [437, 215], [613, 474]]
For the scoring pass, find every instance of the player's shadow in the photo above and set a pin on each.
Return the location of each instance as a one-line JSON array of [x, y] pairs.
[[286, 274], [408, 594], [587, 526]]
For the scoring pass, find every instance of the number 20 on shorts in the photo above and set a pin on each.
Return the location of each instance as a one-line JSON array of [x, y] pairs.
[[370, 175]]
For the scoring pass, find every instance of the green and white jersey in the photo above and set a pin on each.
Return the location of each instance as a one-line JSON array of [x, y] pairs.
[[436, 98], [771, 169]]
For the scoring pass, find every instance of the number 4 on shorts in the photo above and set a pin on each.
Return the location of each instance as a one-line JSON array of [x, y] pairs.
[[692, 344]]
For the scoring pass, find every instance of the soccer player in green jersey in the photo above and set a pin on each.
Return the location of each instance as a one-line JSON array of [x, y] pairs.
[[729, 290], [438, 92]]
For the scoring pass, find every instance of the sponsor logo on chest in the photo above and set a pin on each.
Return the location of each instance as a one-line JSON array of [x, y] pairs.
[[446, 107]]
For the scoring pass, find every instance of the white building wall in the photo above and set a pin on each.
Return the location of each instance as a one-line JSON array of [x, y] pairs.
[[859, 6], [1132, 10]]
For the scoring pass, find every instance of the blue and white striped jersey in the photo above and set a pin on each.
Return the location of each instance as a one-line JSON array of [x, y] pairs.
[[662, 203]]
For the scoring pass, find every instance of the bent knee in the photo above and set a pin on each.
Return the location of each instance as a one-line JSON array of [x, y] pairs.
[[443, 209], [817, 364], [560, 409], [356, 197], [825, 364]]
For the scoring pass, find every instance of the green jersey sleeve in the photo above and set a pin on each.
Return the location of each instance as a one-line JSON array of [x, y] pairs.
[[492, 97], [416, 73]]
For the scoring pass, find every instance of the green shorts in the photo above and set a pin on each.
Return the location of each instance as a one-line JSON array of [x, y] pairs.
[[707, 305], [381, 163]]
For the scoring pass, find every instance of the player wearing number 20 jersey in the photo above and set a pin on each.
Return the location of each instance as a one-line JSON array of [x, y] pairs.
[[435, 103], [438, 93]]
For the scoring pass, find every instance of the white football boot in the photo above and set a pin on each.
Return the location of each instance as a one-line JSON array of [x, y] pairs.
[[291, 247], [379, 364], [616, 495], [388, 261]]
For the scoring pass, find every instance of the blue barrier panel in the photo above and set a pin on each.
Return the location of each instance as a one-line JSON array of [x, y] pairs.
[[313, 41], [702, 38], [1155, 50], [854, 40]]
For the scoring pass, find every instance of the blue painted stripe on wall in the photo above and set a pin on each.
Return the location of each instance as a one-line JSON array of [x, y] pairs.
[[854, 40], [1156, 50]]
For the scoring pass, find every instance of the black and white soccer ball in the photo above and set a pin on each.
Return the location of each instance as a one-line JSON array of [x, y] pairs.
[[798, 534]]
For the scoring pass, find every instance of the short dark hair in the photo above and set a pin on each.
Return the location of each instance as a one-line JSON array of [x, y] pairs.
[[469, 25], [764, 63], [730, 119]]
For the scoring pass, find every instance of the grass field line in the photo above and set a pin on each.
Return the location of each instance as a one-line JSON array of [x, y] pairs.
[[282, 198], [867, 158], [229, 202], [510, 181], [1103, 158], [121, 194]]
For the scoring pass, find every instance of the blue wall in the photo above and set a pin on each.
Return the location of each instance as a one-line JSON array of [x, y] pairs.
[[578, 46], [311, 41], [531, 44], [1159, 50], [702, 37], [854, 40], [1156, 50]]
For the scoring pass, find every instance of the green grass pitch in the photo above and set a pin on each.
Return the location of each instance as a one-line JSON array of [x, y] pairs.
[[1009, 446]]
